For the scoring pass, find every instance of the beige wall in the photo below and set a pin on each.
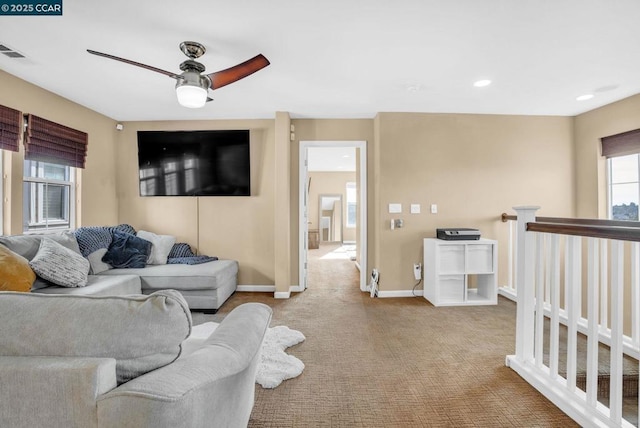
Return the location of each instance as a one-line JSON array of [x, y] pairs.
[[591, 191], [591, 182], [240, 228], [333, 183], [98, 179], [474, 167]]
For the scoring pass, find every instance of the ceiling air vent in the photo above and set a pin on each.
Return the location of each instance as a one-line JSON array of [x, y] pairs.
[[11, 53]]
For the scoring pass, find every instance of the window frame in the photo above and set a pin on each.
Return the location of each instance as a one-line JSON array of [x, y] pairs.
[[30, 223], [610, 184]]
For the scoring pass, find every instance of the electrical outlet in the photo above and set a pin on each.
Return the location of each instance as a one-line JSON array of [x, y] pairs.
[[417, 271]]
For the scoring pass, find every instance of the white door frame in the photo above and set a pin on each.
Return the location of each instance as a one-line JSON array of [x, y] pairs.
[[303, 227]]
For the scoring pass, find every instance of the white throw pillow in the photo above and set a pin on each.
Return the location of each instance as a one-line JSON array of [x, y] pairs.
[[95, 260], [160, 246], [60, 265]]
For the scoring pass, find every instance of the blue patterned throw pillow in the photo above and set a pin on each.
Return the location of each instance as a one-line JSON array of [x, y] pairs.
[[127, 251]]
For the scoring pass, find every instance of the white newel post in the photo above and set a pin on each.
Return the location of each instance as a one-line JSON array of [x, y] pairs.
[[525, 271]]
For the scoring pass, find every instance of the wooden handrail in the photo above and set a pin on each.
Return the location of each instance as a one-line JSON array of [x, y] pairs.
[[506, 217], [579, 221], [607, 232]]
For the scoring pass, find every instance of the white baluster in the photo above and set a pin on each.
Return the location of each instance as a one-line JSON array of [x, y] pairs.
[[525, 264], [510, 282], [617, 292], [515, 258], [573, 286], [539, 332], [547, 263], [604, 291], [554, 330], [635, 293], [592, 314]]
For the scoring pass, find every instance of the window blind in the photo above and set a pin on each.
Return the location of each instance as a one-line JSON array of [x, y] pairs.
[[10, 121], [626, 143], [48, 141]]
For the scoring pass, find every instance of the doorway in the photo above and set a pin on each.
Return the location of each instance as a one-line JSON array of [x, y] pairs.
[[333, 215], [330, 218]]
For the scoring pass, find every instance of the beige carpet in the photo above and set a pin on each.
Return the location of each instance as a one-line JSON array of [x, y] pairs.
[[330, 264], [394, 363]]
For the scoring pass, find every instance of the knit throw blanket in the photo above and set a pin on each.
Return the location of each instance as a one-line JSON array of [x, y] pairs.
[[181, 254], [93, 238]]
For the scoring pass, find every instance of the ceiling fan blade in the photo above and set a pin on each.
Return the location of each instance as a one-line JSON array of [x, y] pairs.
[[224, 77], [137, 64]]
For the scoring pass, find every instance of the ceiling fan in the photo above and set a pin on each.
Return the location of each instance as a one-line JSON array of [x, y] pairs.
[[192, 86]]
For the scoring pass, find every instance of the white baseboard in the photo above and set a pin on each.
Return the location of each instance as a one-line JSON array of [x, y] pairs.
[[269, 289], [399, 293], [256, 288], [507, 292], [282, 294]]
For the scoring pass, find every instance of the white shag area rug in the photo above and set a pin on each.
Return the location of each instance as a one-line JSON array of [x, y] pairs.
[[275, 365]]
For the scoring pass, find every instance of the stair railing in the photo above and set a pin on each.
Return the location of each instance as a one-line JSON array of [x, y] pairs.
[[546, 247]]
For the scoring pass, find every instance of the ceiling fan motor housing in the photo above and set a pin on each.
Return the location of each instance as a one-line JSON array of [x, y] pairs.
[[193, 78]]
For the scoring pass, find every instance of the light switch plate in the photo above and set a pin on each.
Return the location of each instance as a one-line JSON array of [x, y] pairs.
[[415, 208], [434, 209], [395, 208]]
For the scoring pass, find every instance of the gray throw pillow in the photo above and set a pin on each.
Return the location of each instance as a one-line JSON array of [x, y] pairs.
[[60, 265]]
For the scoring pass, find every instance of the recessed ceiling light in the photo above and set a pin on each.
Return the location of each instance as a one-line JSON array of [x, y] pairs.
[[482, 83], [584, 97], [345, 156]]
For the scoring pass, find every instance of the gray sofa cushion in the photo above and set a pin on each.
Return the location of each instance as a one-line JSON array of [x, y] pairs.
[[140, 332], [27, 245], [97, 285], [205, 276]]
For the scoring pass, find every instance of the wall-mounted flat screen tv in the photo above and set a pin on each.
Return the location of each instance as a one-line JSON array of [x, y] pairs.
[[194, 163]]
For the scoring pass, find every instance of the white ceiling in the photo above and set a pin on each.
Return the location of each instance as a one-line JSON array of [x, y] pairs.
[[336, 58], [331, 159]]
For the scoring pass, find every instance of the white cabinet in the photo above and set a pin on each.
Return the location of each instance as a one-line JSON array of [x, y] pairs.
[[460, 272]]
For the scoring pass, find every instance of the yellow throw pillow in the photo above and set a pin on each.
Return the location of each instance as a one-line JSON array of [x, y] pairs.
[[15, 272]]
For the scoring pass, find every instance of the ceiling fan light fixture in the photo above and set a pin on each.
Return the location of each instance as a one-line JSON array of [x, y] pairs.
[[191, 96], [191, 90]]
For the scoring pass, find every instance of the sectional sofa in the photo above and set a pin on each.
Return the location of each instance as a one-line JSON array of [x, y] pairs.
[[124, 361], [205, 286]]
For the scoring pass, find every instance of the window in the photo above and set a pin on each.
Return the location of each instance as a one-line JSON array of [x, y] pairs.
[[48, 196], [624, 187], [351, 204]]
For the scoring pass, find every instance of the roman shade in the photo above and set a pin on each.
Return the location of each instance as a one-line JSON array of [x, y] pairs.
[[48, 141], [9, 128], [626, 143]]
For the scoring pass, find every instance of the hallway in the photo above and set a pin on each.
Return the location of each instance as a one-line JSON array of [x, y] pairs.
[[330, 266]]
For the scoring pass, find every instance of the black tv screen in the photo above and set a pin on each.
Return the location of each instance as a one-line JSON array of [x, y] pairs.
[[194, 163]]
